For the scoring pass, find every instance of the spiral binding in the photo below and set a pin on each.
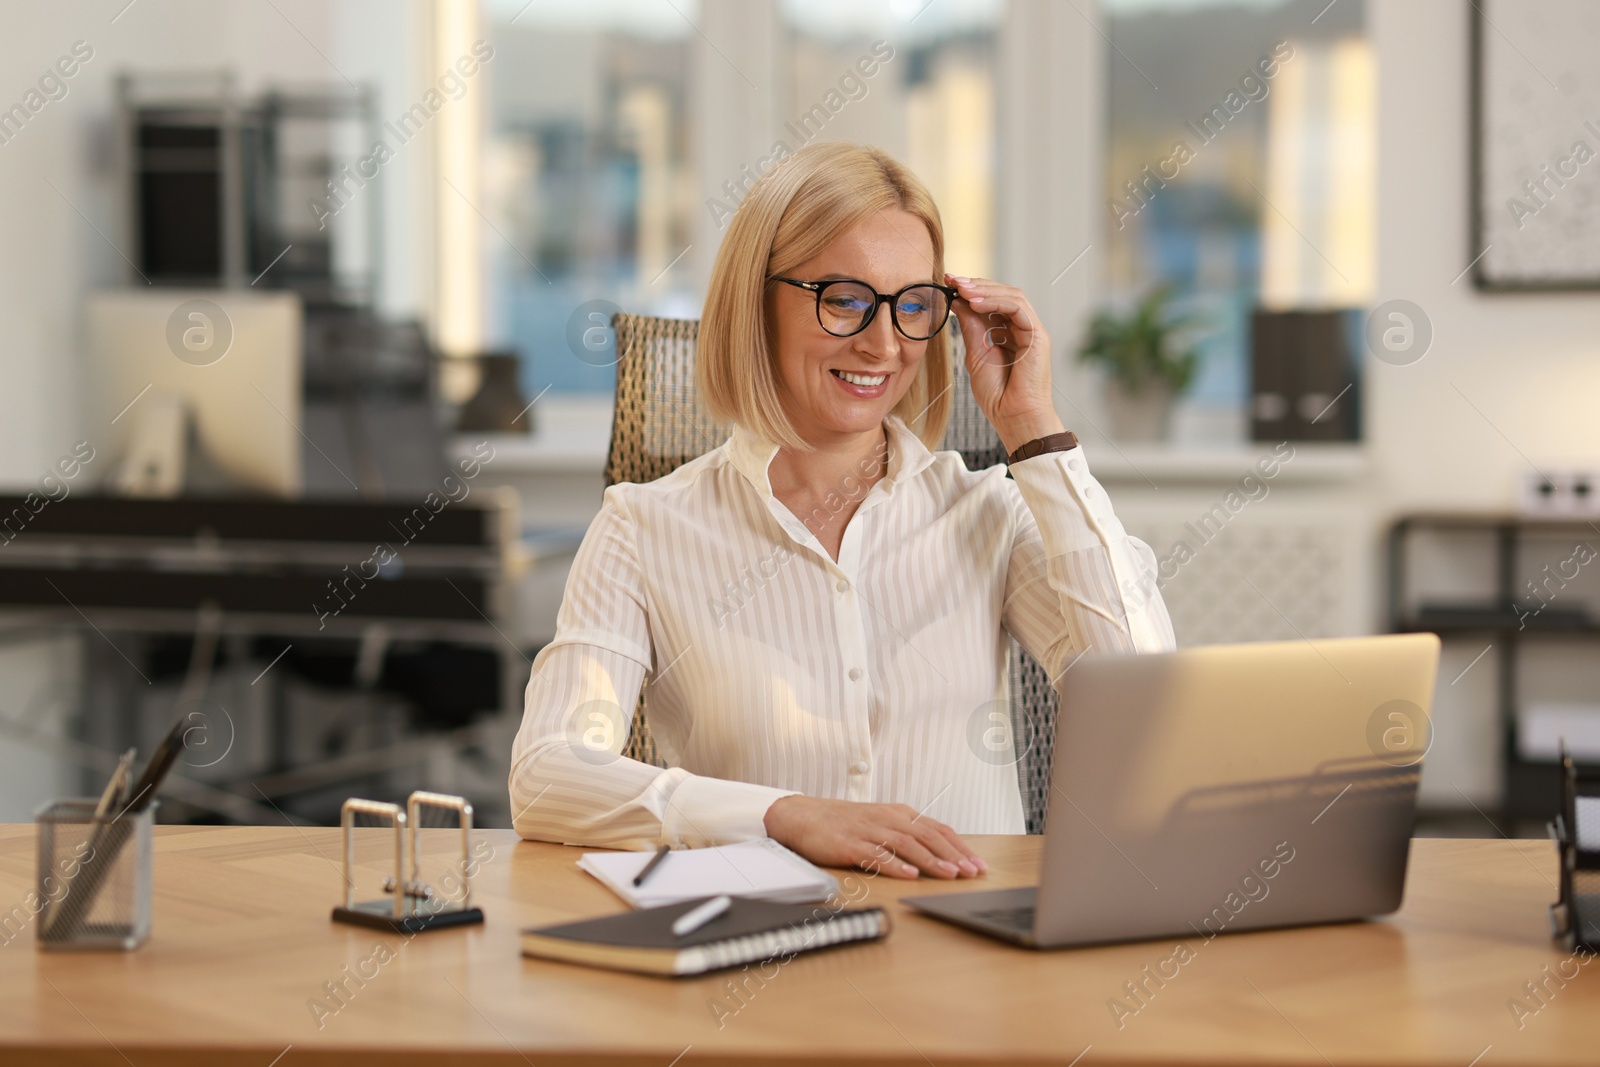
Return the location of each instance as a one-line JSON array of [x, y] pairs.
[[856, 926]]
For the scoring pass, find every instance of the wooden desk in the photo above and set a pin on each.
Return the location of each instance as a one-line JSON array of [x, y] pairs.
[[242, 946]]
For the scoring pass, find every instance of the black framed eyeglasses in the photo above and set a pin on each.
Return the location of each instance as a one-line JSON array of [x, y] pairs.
[[846, 306]]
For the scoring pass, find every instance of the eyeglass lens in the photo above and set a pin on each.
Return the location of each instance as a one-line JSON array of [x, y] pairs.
[[843, 308]]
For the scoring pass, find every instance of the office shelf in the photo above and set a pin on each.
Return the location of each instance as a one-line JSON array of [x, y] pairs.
[[1532, 786], [1463, 618]]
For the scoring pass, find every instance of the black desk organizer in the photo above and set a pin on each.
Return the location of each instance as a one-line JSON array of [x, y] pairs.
[[1575, 917]]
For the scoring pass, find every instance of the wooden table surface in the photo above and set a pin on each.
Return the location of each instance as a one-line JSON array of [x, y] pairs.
[[242, 946]]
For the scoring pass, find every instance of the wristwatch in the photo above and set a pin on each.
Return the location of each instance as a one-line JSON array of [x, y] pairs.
[[1056, 442]]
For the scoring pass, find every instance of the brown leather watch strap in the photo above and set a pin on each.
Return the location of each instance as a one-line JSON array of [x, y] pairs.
[[1056, 442]]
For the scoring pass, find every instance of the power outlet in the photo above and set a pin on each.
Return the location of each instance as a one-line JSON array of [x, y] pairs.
[[1561, 494]]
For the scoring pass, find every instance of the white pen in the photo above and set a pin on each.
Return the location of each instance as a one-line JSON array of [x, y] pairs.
[[692, 920]]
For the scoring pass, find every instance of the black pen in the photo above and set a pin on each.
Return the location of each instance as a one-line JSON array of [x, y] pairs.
[[655, 861], [143, 792], [109, 838]]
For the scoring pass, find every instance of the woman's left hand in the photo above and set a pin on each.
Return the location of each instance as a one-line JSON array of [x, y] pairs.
[[1008, 359]]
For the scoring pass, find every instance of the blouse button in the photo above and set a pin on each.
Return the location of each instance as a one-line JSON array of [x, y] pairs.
[[843, 586], [855, 674], [1075, 464], [859, 767]]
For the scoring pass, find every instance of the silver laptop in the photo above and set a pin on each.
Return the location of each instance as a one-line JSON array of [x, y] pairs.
[[1223, 788]]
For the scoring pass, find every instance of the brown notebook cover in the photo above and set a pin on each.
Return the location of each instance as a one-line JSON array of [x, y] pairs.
[[748, 932]]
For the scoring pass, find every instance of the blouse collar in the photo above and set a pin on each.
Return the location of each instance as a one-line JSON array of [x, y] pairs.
[[752, 456]]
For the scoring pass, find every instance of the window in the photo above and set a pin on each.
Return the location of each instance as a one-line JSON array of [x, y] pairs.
[[929, 102], [1239, 169], [587, 175]]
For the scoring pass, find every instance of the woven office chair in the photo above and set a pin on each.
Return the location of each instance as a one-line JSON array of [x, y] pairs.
[[660, 425]]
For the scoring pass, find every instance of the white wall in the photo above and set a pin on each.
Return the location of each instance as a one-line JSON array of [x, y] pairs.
[[1530, 364]]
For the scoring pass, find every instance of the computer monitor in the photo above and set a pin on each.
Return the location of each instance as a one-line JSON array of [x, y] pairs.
[[231, 359]]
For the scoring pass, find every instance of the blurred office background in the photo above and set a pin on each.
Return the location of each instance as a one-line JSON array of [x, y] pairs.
[[1316, 196]]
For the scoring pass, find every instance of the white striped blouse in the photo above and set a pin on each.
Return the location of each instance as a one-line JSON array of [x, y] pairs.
[[772, 669]]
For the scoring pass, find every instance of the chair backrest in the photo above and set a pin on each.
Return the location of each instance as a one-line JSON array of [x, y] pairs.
[[660, 425]]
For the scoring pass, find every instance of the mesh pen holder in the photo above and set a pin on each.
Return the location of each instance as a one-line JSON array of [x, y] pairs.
[[93, 877]]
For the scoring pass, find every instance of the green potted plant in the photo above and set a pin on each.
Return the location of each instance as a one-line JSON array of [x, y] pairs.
[[1148, 362]]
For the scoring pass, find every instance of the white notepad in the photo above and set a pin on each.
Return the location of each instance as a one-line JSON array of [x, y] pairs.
[[761, 869]]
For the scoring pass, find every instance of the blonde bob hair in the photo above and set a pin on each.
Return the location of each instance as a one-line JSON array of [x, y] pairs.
[[791, 213]]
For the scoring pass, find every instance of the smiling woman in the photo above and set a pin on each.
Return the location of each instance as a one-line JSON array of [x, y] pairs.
[[839, 705], [793, 216]]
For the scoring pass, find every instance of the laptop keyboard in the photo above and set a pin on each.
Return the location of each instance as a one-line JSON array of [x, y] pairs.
[[1020, 919]]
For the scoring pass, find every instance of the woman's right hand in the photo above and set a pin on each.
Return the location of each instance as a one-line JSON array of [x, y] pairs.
[[889, 837]]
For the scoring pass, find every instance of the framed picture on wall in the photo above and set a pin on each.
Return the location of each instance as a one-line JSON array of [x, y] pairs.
[[1535, 145]]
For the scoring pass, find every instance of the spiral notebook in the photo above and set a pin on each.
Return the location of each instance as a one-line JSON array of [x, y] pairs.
[[748, 932]]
